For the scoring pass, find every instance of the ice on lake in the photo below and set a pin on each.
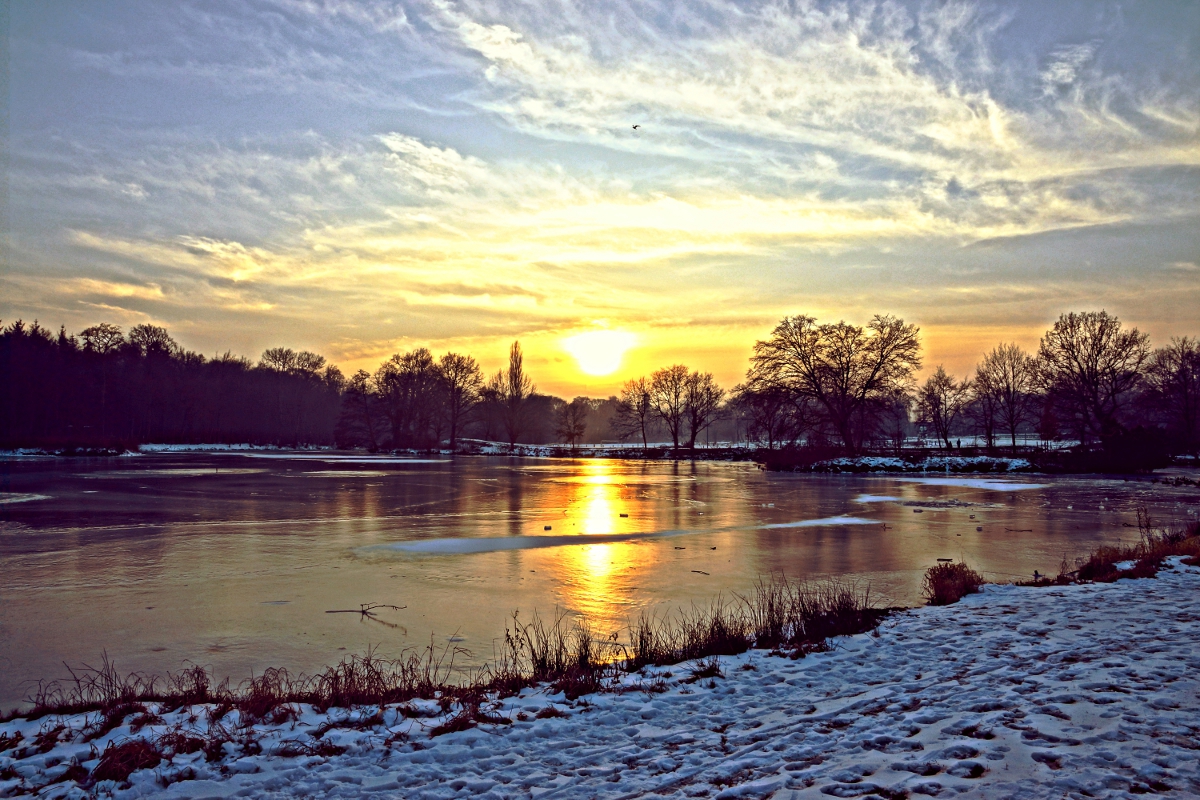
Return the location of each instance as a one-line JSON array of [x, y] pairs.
[[187, 556]]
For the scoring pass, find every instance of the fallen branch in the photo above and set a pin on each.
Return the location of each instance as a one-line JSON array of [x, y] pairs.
[[367, 610]]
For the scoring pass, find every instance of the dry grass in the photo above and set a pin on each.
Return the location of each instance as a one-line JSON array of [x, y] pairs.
[[949, 583], [1155, 544], [119, 761], [565, 653]]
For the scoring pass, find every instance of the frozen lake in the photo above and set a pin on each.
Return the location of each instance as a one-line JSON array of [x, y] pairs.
[[232, 560]]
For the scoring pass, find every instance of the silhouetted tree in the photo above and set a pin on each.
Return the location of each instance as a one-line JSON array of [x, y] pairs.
[[1089, 366], [982, 410], [114, 391], [896, 419], [773, 412], [572, 421], [512, 389], [635, 411], [668, 398], [410, 388], [1173, 380], [150, 340], [361, 421], [462, 381], [279, 359], [940, 401], [849, 372], [1004, 384], [103, 338], [701, 402]]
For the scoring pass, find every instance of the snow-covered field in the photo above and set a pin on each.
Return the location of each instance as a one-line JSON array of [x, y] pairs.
[[1079, 691]]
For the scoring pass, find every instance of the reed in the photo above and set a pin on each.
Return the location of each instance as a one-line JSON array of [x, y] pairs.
[[563, 652]]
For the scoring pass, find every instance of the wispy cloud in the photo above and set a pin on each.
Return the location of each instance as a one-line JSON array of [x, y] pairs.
[[437, 171]]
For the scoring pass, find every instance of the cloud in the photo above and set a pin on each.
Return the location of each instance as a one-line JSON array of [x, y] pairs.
[[385, 173], [1064, 66]]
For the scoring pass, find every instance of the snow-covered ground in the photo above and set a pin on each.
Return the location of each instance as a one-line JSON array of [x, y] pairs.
[[1080, 691]]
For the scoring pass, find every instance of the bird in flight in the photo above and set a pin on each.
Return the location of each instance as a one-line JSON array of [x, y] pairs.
[[635, 127]]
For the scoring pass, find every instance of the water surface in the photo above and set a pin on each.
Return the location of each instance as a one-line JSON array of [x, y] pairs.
[[232, 561]]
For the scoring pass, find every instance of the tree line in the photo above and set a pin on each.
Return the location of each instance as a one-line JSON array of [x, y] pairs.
[[836, 385], [107, 388], [1091, 380]]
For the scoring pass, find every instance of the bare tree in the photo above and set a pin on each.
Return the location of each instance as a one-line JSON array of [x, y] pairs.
[[333, 378], [1005, 382], [668, 398], [409, 387], [278, 359], [361, 418], [702, 402], [308, 363], [846, 370], [770, 413], [1089, 365], [512, 388], [152, 340], [773, 412], [572, 420], [463, 380], [1173, 377], [103, 338], [941, 400], [983, 410], [635, 411], [897, 418]]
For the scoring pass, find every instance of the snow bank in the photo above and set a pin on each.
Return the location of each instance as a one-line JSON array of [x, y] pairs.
[[1071, 691], [203, 448], [931, 464], [24, 452]]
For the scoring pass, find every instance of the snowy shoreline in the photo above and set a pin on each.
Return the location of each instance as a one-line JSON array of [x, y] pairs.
[[1080, 690]]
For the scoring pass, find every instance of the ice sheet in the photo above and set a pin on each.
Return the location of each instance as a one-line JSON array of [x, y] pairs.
[[876, 498], [465, 545], [824, 521], [16, 497], [991, 484]]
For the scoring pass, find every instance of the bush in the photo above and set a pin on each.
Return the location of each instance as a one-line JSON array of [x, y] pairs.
[[949, 583]]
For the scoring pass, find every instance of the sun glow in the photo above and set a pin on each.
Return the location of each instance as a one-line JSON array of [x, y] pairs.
[[599, 352]]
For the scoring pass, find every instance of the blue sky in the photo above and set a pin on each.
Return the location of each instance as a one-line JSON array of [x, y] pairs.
[[362, 178]]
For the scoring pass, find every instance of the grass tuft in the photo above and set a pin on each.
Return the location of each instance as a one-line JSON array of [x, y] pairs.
[[119, 761], [948, 583]]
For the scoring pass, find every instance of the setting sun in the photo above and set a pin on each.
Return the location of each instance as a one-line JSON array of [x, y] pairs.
[[599, 352]]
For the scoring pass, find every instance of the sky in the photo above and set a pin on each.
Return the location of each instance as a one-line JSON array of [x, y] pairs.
[[360, 179]]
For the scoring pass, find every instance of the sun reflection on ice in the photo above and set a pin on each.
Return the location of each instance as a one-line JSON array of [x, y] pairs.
[[597, 577]]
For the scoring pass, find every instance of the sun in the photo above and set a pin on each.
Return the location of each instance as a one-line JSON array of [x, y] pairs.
[[599, 352]]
